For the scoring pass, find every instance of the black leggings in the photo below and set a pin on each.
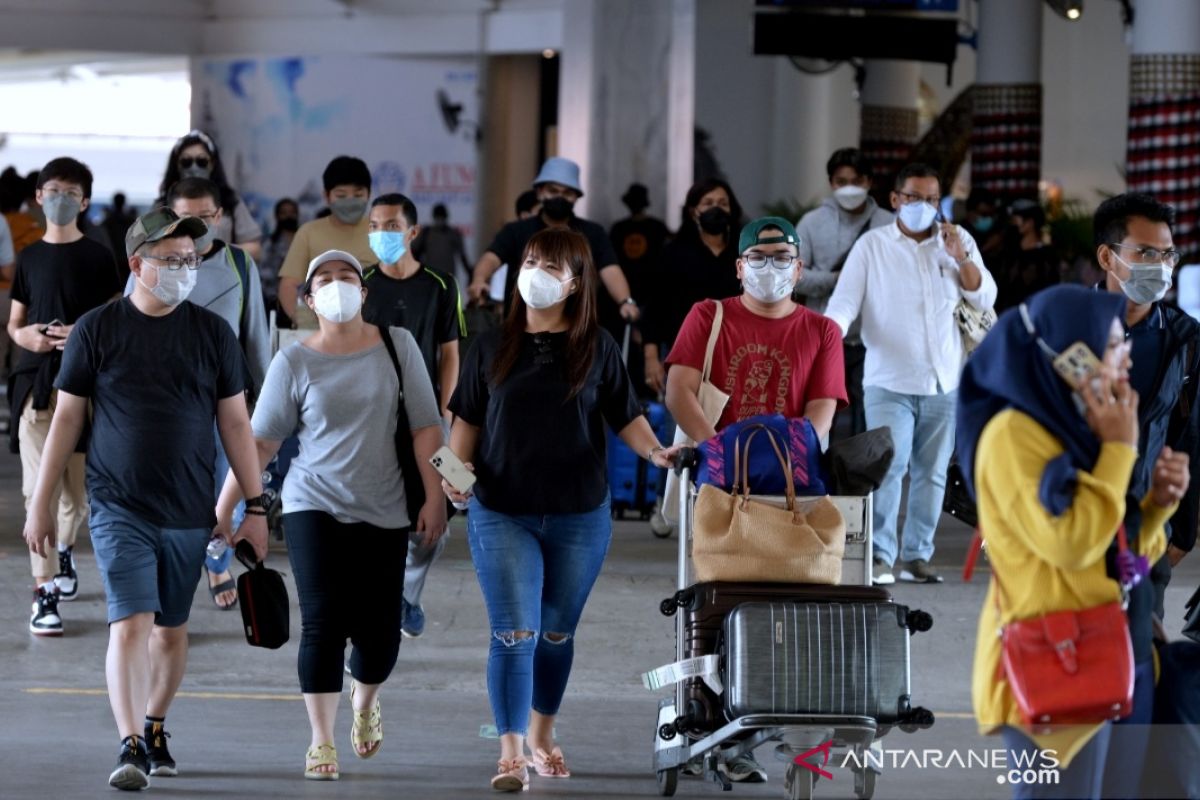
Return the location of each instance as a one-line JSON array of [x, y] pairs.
[[350, 580]]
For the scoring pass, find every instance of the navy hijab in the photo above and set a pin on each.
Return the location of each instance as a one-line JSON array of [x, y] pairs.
[[1010, 370]]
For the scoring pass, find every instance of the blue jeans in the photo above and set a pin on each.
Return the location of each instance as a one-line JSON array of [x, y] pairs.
[[923, 432], [1130, 738], [536, 573], [1079, 781], [216, 566]]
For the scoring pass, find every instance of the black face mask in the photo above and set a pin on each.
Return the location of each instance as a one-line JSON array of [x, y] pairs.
[[557, 208], [288, 224], [715, 220]]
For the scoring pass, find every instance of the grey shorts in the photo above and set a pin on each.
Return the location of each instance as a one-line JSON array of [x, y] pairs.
[[146, 568]]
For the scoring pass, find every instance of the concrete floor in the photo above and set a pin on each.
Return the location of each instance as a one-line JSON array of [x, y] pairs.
[[239, 728]]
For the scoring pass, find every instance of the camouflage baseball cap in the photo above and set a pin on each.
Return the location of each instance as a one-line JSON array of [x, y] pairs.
[[159, 224]]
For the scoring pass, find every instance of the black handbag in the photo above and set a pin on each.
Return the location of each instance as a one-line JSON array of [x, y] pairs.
[[410, 473], [859, 464], [957, 501], [264, 601], [1191, 617]]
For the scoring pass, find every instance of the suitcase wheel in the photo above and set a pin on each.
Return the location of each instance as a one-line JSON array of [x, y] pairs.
[[864, 783], [917, 719], [666, 731], [800, 783], [667, 607], [668, 780], [918, 621]]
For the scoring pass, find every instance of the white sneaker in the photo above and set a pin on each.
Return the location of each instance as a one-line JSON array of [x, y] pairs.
[[45, 620], [743, 769], [881, 573]]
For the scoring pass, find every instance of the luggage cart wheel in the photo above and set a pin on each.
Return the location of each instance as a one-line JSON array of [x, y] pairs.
[[800, 783], [668, 779], [667, 731], [864, 783]]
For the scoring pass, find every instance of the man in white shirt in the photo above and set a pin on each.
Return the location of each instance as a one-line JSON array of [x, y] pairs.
[[905, 279]]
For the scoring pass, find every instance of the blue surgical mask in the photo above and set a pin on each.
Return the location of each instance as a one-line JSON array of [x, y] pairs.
[[984, 224], [917, 216], [388, 245]]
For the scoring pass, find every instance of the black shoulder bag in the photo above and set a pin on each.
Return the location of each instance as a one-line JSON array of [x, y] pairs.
[[410, 473]]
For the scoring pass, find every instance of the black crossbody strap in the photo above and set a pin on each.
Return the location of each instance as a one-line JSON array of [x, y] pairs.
[[402, 412]]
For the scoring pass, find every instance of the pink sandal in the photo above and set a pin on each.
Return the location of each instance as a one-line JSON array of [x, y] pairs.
[[511, 776], [550, 765]]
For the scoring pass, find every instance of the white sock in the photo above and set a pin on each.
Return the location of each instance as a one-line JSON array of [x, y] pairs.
[[63, 548], [49, 586]]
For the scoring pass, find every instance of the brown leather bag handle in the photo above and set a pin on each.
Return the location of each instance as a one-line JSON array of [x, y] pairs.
[[741, 464]]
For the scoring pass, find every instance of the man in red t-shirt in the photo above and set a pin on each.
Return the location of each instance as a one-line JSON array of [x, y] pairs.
[[772, 355]]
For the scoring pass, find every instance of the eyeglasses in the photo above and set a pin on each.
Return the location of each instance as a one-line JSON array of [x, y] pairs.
[[778, 261], [1151, 255], [200, 161], [909, 197], [53, 191], [207, 216], [174, 263]]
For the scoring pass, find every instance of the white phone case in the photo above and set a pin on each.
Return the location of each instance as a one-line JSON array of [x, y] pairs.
[[450, 467]]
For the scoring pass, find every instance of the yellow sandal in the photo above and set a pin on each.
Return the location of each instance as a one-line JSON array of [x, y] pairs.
[[323, 755], [367, 728]]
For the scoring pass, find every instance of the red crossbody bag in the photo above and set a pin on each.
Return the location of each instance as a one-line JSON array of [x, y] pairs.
[[1067, 667]]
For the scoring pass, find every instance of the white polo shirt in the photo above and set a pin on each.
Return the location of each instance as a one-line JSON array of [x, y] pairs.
[[906, 292]]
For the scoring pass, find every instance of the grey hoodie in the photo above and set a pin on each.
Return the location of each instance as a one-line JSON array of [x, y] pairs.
[[826, 235], [218, 288]]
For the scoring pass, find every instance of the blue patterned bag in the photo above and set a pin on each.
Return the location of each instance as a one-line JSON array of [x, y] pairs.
[[803, 448]]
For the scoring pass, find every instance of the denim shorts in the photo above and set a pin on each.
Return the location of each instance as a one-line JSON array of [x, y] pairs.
[[146, 568]]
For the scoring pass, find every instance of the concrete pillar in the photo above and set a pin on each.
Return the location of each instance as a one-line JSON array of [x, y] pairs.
[[890, 96], [1163, 150], [626, 101], [1006, 136]]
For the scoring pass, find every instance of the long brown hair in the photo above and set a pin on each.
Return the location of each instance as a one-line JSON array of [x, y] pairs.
[[570, 250]]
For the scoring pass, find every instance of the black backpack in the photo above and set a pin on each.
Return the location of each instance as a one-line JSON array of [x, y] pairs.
[[264, 601]]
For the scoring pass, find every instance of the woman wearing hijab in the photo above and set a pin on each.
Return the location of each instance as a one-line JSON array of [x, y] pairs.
[[1050, 467]]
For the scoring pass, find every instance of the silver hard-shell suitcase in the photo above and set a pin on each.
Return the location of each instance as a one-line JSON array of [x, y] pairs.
[[818, 658]]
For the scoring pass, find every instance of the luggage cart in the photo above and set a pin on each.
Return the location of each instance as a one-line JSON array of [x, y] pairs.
[[808, 738]]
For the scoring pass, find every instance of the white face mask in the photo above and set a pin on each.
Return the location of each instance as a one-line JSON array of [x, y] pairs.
[[768, 285], [173, 286], [539, 289], [850, 196], [917, 216], [338, 301]]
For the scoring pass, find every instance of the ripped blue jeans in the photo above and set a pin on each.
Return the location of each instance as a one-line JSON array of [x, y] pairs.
[[536, 573]]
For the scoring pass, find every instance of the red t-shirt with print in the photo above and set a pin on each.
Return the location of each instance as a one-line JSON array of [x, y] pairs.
[[766, 366]]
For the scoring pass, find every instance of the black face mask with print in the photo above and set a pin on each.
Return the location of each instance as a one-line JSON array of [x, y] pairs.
[[715, 220]]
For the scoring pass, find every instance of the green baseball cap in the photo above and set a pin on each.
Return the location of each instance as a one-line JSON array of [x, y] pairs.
[[159, 224], [750, 234]]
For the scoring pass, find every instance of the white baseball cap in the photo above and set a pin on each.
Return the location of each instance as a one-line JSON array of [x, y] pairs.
[[333, 255]]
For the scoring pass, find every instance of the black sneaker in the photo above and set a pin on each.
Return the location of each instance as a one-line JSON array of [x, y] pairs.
[[45, 620], [67, 580], [161, 763], [133, 767]]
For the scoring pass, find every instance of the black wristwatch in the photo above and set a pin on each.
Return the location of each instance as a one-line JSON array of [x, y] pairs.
[[259, 502]]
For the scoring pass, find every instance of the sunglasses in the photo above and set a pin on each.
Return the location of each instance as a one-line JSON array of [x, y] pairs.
[[200, 161]]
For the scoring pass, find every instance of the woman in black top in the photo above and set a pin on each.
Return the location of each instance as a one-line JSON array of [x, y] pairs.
[[531, 408], [698, 264]]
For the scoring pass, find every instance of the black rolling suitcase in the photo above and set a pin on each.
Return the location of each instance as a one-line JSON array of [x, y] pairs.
[[706, 608]]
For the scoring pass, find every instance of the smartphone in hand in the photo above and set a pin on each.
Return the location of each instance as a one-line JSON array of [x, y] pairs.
[[52, 323], [451, 467], [1077, 365]]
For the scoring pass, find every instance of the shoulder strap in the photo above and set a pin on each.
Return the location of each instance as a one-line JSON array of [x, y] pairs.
[[841, 262], [389, 343], [718, 317], [237, 259]]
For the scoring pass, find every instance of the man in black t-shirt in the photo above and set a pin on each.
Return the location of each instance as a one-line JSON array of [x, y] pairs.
[[557, 187], [57, 280], [156, 371], [404, 294]]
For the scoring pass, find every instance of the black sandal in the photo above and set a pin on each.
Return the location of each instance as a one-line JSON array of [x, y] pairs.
[[224, 586]]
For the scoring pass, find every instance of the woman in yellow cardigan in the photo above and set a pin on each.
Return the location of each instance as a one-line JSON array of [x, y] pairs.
[[1052, 465]]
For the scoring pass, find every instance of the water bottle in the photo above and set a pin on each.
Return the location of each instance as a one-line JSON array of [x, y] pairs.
[[216, 547]]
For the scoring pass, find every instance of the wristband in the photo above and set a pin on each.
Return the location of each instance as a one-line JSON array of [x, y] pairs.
[[257, 502], [653, 450], [255, 512]]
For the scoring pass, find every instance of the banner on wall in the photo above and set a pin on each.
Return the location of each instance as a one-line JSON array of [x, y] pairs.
[[279, 121]]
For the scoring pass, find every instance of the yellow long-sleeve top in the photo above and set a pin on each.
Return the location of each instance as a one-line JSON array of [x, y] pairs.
[[1043, 562]]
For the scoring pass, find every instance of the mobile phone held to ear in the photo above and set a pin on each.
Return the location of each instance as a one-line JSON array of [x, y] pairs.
[[450, 467], [1077, 365]]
